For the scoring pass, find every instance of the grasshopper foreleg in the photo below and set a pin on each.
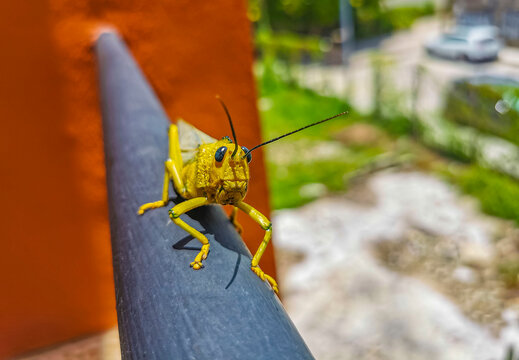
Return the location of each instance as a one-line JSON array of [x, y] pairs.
[[180, 209]]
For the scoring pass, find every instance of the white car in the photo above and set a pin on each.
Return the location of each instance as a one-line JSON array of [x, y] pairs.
[[473, 43]]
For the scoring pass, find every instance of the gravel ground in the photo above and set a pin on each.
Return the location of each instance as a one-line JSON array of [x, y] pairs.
[[409, 274]]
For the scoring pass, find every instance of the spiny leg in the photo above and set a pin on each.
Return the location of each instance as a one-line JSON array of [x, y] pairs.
[[173, 169], [267, 226], [182, 208], [160, 203], [234, 221]]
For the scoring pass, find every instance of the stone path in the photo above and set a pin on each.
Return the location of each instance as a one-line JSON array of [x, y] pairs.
[[349, 302]]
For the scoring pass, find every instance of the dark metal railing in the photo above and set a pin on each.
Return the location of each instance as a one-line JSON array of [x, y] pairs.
[[165, 309]]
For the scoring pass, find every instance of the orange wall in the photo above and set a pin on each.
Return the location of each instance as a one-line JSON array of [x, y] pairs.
[[55, 264]]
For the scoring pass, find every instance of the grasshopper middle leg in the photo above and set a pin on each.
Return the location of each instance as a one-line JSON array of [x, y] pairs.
[[234, 221]]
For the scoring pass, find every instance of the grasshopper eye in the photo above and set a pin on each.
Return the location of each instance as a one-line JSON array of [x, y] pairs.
[[220, 153], [249, 156]]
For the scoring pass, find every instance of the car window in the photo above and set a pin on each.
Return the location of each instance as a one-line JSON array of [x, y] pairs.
[[484, 42], [454, 40]]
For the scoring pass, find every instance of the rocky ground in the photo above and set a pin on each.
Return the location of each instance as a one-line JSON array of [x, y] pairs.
[[402, 267]]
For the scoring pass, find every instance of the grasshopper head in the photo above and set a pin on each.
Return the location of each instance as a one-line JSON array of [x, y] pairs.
[[231, 173]]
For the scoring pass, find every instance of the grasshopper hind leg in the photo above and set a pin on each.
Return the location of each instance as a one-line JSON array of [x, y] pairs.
[[267, 226]]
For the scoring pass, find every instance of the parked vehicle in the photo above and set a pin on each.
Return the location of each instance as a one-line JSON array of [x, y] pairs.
[[472, 43]]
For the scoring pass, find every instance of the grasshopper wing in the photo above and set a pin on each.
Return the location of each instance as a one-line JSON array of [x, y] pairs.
[[190, 138]]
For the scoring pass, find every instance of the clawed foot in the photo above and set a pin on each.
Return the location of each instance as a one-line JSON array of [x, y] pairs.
[[202, 255], [263, 276], [151, 205]]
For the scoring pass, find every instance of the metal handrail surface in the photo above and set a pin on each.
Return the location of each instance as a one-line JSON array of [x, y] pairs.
[[165, 309]]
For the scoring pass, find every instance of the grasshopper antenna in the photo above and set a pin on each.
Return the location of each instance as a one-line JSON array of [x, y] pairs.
[[293, 132], [236, 147]]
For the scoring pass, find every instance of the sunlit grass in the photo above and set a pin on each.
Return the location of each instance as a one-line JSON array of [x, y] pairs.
[[298, 182], [498, 194], [285, 108]]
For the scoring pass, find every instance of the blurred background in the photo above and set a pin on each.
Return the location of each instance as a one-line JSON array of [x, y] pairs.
[[396, 227]]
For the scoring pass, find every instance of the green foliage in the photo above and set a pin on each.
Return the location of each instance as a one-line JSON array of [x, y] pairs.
[[303, 16], [458, 149], [388, 101], [396, 125], [285, 49], [288, 180], [475, 105], [371, 17], [497, 193], [403, 17], [285, 108], [280, 51], [373, 20], [453, 142], [289, 46]]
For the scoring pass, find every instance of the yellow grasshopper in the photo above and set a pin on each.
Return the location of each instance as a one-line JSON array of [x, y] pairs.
[[208, 171]]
